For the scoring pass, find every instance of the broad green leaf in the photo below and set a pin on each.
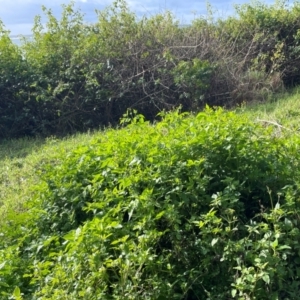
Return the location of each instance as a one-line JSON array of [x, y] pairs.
[[233, 292], [266, 278], [274, 244], [214, 241], [17, 292]]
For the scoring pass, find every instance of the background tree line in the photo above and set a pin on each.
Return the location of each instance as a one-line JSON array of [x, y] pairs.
[[71, 76]]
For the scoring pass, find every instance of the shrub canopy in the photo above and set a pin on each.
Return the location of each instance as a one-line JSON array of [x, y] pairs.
[[71, 76], [193, 207]]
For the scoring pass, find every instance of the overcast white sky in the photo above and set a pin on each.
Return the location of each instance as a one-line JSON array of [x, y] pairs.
[[18, 15]]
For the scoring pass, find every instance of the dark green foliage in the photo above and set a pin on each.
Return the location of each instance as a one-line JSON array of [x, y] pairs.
[[16, 107], [194, 77], [272, 35], [193, 207], [73, 77]]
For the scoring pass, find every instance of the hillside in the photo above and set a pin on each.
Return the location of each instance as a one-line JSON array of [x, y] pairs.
[[194, 205], [21, 158], [144, 160]]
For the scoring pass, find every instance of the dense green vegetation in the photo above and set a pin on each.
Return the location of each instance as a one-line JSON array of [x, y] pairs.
[[192, 207], [195, 205], [71, 77]]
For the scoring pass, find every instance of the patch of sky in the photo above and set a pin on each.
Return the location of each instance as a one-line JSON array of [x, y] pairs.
[[18, 39]]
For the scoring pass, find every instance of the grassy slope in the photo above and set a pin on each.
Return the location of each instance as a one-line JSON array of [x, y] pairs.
[[21, 160], [284, 111]]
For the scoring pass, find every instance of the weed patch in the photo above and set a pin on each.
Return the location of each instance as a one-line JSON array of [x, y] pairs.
[[188, 208]]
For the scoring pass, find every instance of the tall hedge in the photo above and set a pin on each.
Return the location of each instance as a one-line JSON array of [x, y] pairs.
[[72, 76]]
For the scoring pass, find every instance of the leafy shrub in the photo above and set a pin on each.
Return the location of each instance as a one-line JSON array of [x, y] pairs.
[[64, 101], [193, 207], [271, 33], [73, 77], [194, 77], [17, 109]]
